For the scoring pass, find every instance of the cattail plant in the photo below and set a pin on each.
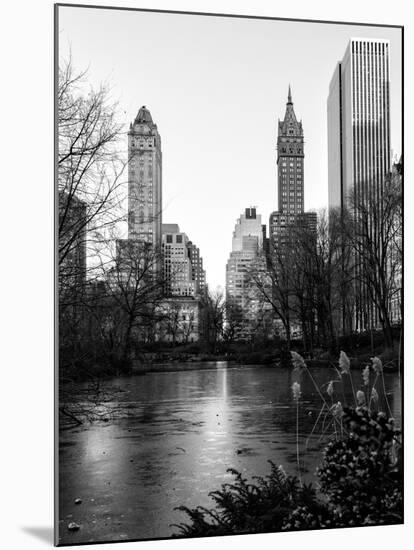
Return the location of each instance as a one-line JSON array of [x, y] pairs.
[[330, 392], [298, 362], [345, 368], [365, 380], [296, 396], [300, 366], [379, 372], [338, 412], [360, 397], [374, 398]]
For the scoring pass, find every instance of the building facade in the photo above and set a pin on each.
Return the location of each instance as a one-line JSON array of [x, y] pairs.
[[178, 273], [198, 273], [395, 258], [290, 160], [245, 305], [290, 175], [184, 285], [359, 153], [72, 243], [180, 320], [184, 274], [144, 180]]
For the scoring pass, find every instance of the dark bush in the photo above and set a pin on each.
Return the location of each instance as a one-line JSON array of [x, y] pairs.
[[243, 507], [362, 475], [360, 484]]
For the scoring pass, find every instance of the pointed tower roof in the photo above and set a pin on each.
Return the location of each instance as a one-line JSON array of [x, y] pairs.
[[289, 95], [290, 124], [143, 116]]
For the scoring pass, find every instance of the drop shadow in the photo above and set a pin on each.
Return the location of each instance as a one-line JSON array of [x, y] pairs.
[[45, 534]]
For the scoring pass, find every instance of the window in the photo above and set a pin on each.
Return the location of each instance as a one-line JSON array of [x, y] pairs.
[[179, 239], [169, 239]]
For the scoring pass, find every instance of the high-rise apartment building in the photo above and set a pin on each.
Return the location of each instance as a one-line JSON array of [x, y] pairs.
[[197, 270], [178, 276], [246, 258], [248, 226], [359, 153], [144, 180], [183, 265], [184, 283]]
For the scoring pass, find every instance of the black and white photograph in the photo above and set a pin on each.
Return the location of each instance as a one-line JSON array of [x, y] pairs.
[[229, 274]]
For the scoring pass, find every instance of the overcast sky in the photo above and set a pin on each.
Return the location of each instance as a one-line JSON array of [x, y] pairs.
[[216, 87]]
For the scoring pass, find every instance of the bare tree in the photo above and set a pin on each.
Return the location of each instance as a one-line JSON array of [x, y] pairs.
[[233, 320], [89, 171], [376, 240], [188, 325], [320, 270], [135, 287], [212, 307], [172, 320], [274, 286]]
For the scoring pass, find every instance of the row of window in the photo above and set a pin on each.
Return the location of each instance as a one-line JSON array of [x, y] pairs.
[[178, 239]]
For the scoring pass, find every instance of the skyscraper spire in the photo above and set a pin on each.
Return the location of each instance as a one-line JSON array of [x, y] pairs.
[[289, 95]]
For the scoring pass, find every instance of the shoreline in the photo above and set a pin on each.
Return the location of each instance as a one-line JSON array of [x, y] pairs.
[[178, 366]]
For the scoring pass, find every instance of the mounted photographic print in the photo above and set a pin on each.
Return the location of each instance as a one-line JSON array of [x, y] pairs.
[[229, 275]]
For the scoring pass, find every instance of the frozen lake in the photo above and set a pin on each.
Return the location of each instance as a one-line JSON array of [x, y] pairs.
[[171, 437]]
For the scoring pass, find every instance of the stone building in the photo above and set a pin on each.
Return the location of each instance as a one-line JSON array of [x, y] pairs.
[[290, 159], [178, 271], [179, 320], [144, 180], [184, 285], [290, 173]]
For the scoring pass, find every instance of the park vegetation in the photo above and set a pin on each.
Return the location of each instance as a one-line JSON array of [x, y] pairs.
[[359, 479]]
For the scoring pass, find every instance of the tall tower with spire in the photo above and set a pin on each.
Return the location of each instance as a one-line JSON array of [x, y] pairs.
[[144, 180], [290, 157], [290, 172]]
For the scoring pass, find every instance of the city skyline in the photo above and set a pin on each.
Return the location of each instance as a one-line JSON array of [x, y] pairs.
[[236, 113], [200, 120]]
